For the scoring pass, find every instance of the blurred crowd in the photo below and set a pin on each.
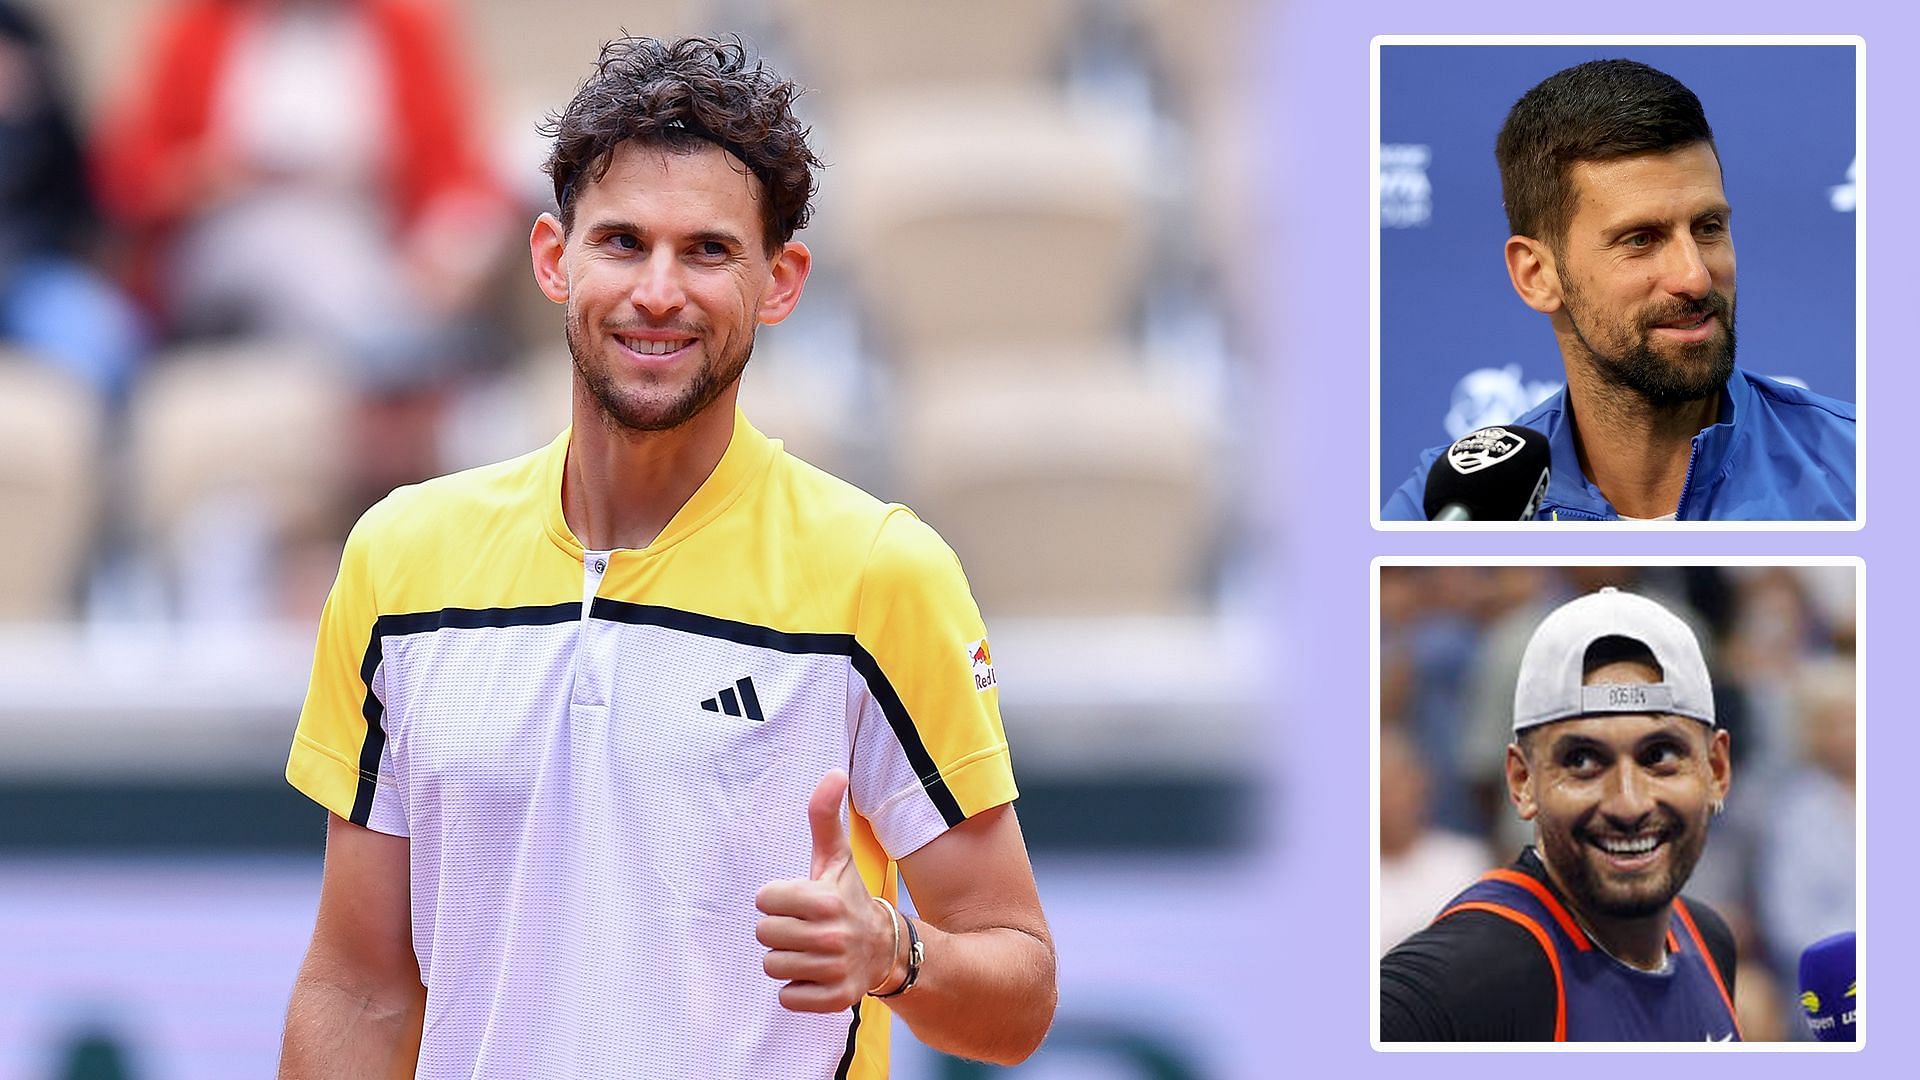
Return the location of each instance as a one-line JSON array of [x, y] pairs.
[[263, 260], [1779, 642]]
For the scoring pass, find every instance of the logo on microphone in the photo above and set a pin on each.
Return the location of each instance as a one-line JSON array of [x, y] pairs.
[[1483, 449], [1810, 1001]]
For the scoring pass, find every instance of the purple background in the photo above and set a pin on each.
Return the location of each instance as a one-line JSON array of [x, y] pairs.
[[1310, 982]]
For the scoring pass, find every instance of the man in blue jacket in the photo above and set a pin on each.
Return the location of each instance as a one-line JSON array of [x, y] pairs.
[[1621, 238]]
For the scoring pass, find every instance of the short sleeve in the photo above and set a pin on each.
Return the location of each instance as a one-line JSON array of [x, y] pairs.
[[929, 748], [340, 757]]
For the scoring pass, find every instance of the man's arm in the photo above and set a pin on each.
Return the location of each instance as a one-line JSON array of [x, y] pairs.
[[986, 989], [358, 1001]]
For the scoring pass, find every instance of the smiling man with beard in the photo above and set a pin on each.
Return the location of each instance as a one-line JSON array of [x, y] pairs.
[[1622, 236], [1617, 762]]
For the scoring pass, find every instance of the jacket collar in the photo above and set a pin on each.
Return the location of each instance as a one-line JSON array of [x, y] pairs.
[[1570, 495]]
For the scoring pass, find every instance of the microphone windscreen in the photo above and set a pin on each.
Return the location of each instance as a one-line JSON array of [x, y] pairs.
[[1827, 990], [1493, 474]]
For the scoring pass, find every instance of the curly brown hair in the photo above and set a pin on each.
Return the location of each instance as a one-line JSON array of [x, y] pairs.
[[680, 95]]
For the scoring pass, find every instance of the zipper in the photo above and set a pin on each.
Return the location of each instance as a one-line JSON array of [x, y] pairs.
[[1686, 485]]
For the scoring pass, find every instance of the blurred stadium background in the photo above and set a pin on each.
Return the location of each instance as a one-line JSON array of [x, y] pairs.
[[262, 260], [1780, 644]]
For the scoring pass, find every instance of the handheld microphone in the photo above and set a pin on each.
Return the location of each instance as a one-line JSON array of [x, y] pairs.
[[1827, 988], [1493, 474]]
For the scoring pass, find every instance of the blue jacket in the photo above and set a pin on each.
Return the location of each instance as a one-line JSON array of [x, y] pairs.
[[1778, 453]]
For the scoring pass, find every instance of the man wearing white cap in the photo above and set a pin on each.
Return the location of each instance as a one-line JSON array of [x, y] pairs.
[[1618, 763]]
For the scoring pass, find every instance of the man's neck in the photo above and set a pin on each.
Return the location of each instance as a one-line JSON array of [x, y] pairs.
[[622, 487], [1635, 452], [1637, 942]]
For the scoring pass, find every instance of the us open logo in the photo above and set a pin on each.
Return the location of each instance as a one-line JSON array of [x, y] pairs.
[[1483, 449]]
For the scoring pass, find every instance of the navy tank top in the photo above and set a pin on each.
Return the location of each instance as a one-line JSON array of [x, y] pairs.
[[1600, 998]]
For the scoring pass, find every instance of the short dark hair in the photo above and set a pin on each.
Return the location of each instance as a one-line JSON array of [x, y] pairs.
[[680, 95], [1597, 111]]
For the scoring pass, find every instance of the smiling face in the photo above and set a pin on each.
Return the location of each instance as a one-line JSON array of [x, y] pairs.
[[1645, 274], [666, 277], [1620, 803]]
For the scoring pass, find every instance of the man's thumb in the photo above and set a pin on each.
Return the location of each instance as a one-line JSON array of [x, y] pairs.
[[830, 846]]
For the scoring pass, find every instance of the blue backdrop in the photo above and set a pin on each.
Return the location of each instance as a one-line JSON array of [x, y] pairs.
[[1458, 350]]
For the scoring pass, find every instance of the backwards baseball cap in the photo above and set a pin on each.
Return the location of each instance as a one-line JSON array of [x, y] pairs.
[[1553, 670]]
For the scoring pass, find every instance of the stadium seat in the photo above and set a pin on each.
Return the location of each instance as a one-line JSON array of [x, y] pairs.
[[100, 42], [853, 48], [973, 220], [50, 487], [533, 57], [1065, 493], [1200, 48], [253, 433]]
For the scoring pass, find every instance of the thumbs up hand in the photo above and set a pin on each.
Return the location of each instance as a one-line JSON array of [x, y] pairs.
[[825, 936]]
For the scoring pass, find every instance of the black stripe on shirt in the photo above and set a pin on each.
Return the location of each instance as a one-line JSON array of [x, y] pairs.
[[909, 736], [372, 709], [846, 1059], [831, 644], [623, 611]]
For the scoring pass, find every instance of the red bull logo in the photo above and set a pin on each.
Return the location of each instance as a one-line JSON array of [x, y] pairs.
[[982, 658]]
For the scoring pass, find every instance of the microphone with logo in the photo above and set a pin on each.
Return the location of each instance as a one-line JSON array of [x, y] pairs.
[[1827, 988], [1493, 474]]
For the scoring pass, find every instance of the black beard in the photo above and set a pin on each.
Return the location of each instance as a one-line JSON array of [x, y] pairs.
[[707, 385], [1702, 370], [1569, 854]]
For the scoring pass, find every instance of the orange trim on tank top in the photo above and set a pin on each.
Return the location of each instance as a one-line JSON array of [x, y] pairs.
[[1547, 899], [1546, 945], [1686, 920]]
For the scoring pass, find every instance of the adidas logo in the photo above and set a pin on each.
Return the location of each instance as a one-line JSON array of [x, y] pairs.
[[727, 701]]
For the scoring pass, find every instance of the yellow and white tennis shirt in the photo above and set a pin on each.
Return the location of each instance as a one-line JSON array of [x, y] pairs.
[[600, 757]]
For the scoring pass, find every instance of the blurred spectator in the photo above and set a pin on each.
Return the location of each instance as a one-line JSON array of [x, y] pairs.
[[1759, 999], [306, 170], [1806, 873], [1420, 866], [1773, 631], [54, 305]]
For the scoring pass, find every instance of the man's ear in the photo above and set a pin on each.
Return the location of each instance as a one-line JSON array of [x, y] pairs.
[[790, 265], [1534, 273], [1520, 782], [547, 246], [1720, 764]]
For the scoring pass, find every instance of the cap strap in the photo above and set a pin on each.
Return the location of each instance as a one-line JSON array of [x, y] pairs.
[[1626, 698]]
